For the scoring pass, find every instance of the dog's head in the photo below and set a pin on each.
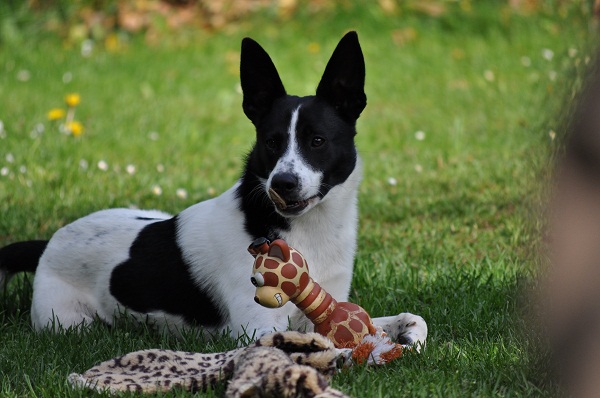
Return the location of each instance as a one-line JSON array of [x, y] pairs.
[[304, 145]]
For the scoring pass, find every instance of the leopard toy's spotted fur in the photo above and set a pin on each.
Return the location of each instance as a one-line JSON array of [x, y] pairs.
[[270, 372], [284, 364]]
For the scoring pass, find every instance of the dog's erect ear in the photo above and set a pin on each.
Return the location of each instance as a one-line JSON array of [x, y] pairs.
[[260, 81], [343, 82]]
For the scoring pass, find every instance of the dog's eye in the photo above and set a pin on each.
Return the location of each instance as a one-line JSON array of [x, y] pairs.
[[257, 280], [272, 143], [317, 142]]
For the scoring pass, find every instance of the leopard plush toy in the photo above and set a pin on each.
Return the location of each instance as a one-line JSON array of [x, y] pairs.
[[282, 364]]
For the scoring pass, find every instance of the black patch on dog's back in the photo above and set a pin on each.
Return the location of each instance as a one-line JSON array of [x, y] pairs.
[[157, 278]]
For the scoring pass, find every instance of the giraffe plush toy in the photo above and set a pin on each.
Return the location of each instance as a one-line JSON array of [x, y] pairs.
[[280, 274]]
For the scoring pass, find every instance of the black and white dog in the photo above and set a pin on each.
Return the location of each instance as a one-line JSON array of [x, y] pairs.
[[300, 183]]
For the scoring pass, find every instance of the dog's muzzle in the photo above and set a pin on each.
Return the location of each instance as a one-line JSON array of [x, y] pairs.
[[284, 193], [289, 206]]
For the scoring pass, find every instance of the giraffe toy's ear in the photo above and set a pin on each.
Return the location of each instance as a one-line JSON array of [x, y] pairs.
[[280, 249]]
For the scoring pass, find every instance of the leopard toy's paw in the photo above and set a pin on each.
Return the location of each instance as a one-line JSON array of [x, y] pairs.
[[310, 349], [263, 371]]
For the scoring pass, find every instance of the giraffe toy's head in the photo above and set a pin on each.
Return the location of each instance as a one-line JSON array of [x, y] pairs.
[[279, 272]]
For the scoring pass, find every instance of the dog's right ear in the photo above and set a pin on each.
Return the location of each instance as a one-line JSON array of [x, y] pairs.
[[260, 81]]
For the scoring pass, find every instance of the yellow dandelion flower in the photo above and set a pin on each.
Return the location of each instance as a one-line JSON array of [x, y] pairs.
[[314, 48], [56, 113], [112, 43], [75, 128], [72, 99]]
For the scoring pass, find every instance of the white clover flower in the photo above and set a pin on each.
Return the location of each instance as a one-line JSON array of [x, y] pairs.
[[130, 169], [67, 77], [489, 75], [102, 165], [157, 190], [526, 62], [23, 75], [547, 54], [392, 181], [572, 52], [37, 130], [181, 193], [153, 135], [83, 164], [418, 168], [87, 46], [420, 135], [4, 171], [160, 168], [10, 158]]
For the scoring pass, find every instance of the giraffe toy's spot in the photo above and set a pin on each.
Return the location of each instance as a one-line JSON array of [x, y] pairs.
[[271, 279], [271, 264], [304, 279], [342, 335], [298, 259], [289, 271], [288, 288], [357, 326]]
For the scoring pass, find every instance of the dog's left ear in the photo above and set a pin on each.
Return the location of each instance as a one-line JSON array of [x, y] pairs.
[[260, 81], [343, 81]]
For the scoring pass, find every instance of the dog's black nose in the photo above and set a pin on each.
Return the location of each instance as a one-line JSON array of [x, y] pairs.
[[284, 183], [256, 300]]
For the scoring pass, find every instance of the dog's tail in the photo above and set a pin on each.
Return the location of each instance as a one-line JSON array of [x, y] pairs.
[[20, 257]]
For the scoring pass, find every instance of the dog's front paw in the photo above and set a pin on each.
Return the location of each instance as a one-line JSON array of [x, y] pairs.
[[405, 328]]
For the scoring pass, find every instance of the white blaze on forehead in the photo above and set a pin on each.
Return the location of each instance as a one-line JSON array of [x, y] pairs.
[[293, 162], [292, 154]]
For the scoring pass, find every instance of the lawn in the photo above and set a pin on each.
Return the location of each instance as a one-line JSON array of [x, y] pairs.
[[455, 139]]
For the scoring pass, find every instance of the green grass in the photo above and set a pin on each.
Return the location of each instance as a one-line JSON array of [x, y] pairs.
[[449, 238]]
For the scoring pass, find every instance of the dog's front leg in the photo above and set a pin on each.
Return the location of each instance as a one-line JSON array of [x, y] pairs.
[[258, 321], [405, 328]]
